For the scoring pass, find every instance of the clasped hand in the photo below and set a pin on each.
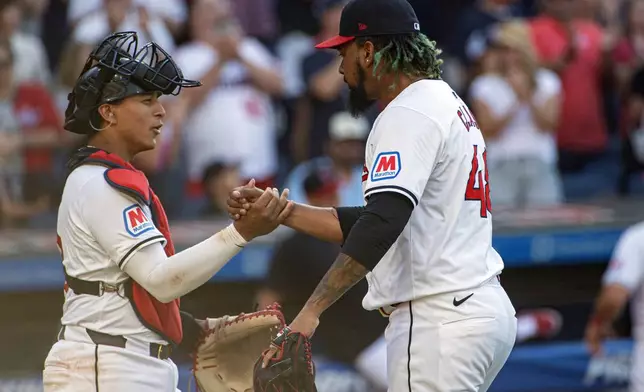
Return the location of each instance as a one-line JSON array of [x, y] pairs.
[[258, 212]]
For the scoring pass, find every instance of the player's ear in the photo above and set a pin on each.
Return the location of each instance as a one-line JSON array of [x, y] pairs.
[[367, 52], [106, 111]]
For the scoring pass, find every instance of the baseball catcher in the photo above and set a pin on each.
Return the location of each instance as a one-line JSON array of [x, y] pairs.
[[121, 320]]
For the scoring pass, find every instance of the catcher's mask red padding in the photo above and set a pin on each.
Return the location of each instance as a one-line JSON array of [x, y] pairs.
[[162, 318]]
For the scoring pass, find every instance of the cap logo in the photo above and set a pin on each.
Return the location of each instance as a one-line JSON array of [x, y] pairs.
[[362, 26], [417, 26]]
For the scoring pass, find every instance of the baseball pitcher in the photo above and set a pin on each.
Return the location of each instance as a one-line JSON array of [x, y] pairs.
[[424, 239]]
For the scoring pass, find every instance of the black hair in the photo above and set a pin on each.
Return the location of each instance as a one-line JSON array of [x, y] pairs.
[[413, 55]]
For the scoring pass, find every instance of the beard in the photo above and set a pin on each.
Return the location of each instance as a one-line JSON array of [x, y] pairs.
[[359, 102]]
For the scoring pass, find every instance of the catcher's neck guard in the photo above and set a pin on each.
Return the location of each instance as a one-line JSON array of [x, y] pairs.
[[116, 69]]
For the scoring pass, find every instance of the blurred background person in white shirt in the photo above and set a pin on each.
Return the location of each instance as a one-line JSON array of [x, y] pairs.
[[172, 12], [122, 15], [230, 118], [30, 59], [517, 108]]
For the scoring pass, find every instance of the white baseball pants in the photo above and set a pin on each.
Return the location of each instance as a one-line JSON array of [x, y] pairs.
[[73, 366], [434, 346]]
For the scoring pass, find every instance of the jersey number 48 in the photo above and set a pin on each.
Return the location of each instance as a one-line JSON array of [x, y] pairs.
[[478, 189]]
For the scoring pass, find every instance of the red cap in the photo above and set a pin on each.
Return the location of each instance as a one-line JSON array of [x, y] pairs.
[[334, 42]]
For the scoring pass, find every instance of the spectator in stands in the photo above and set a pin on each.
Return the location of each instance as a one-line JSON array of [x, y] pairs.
[[296, 41], [12, 208], [468, 43], [517, 109], [299, 262], [42, 138], [231, 117], [218, 180], [172, 12], [344, 156], [326, 93], [32, 13], [298, 25], [573, 48], [628, 54], [258, 19], [120, 15], [633, 141], [30, 58], [325, 89]]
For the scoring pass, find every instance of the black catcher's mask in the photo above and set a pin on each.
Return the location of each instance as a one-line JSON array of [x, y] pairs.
[[117, 69]]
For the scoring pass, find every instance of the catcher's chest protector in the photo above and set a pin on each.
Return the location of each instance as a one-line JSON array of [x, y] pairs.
[[161, 318]]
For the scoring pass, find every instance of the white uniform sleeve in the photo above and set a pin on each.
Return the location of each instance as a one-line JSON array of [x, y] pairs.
[[406, 147], [119, 224], [626, 267], [168, 278]]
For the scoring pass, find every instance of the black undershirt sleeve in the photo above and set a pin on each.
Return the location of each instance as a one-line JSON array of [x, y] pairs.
[[379, 225], [348, 216]]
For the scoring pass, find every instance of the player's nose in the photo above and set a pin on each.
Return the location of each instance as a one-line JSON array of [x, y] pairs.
[[159, 110], [341, 68]]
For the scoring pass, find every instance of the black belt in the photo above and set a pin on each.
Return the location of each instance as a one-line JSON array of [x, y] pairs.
[[89, 287], [159, 351]]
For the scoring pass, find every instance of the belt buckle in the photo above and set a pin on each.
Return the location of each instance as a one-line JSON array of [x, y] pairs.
[[107, 288]]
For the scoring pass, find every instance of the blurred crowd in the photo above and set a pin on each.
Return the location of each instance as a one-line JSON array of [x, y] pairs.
[[557, 86]]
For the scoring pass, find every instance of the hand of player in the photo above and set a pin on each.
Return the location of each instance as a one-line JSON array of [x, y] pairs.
[[240, 199], [265, 214], [305, 323], [595, 335]]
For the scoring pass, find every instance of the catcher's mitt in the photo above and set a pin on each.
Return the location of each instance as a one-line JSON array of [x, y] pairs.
[[224, 357], [290, 370]]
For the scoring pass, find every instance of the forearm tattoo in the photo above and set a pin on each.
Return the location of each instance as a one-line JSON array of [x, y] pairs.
[[343, 274]]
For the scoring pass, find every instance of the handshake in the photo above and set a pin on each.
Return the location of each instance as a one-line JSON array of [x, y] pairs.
[[258, 212]]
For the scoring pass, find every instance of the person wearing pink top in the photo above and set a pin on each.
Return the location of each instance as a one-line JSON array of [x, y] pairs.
[[573, 48]]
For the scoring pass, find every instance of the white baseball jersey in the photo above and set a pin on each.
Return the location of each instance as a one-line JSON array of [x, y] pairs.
[[100, 229], [626, 268], [427, 146]]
